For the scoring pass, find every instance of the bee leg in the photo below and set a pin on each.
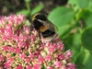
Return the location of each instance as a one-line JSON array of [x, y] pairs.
[[31, 27], [39, 34], [39, 37]]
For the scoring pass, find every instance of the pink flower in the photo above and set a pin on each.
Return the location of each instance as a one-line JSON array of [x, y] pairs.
[[60, 45], [8, 32], [63, 67], [2, 30], [29, 67], [27, 44], [21, 18], [68, 54], [7, 65], [58, 64], [37, 53], [31, 56], [48, 57], [17, 50], [37, 66], [52, 48], [21, 48], [5, 37], [32, 37], [21, 44], [60, 57], [27, 30], [19, 67], [71, 66], [50, 67], [1, 58], [11, 49], [10, 60], [27, 60], [5, 48], [41, 59], [22, 55], [16, 38]]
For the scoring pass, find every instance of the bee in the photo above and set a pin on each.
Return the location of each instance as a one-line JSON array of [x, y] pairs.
[[45, 29]]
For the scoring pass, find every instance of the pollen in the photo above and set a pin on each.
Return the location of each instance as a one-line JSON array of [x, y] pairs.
[[43, 28]]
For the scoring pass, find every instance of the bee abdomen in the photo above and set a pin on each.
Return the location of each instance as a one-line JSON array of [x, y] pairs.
[[47, 33]]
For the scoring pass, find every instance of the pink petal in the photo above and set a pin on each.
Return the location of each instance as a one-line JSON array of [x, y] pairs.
[[37, 66], [5, 48], [28, 67], [17, 50], [48, 57], [50, 67], [31, 55], [11, 49], [71, 66], [27, 60], [1, 58], [41, 59], [19, 67], [22, 55], [68, 54], [7, 65], [58, 64]]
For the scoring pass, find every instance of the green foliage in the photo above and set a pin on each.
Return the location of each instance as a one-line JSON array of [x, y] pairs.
[[43, 67], [63, 30], [82, 3], [87, 38], [27, 1], [88, 62], [25, 12], [37, 9], [30, 12], [75, 29], [72, 2], [88, 20], [61, 16]]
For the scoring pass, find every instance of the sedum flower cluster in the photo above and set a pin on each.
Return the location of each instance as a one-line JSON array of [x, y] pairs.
[[20, 48]]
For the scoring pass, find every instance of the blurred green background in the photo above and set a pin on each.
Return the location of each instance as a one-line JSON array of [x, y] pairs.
[[73, 19]]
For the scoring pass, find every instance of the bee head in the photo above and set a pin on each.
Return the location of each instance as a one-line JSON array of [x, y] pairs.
[[39, 16], [36, 21]]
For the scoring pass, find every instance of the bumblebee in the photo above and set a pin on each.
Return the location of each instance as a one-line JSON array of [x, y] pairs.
[[44, 27]]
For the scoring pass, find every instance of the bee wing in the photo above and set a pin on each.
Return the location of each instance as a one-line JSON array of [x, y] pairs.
[[49, 25], [52, 26]]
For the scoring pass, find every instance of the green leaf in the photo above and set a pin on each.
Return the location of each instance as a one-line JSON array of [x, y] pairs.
[[82, 3], [27, 1], [90, 5], [88, 62], [38, 8], [82, 58], [86, 15], [72, 2], [88, 20], [43, 66], [25, 12], [77, 41], [63, 29], [87, 38], [61, 16], [83, 13]]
